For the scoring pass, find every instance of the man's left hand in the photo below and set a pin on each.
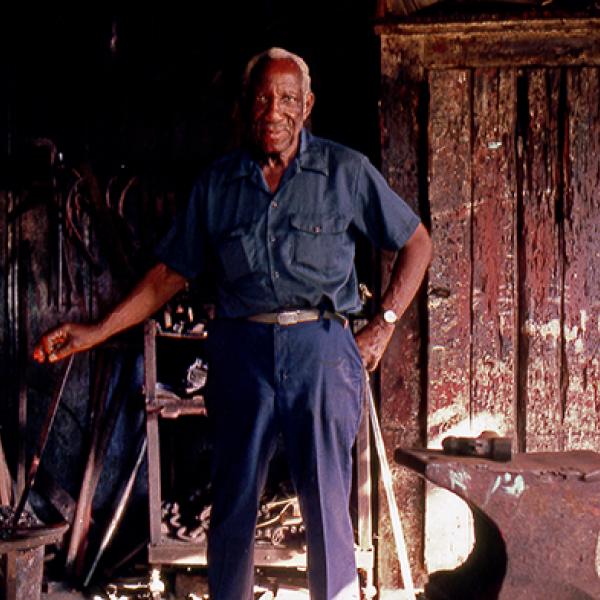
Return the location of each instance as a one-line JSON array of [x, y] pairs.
[[372, 341]]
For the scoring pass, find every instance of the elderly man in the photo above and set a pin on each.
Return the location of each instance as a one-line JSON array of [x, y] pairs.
[[277, 222]]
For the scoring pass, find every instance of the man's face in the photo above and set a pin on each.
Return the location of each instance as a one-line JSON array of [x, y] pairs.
[[278, 107]]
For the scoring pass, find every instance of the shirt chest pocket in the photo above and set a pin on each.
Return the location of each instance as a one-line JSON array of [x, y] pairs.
[[234, 250], [322, 243]]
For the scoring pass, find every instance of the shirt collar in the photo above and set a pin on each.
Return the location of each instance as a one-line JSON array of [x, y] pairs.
[[311, 157]]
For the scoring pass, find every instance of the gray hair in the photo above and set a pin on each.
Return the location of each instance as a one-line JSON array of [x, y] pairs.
[[277, 54]]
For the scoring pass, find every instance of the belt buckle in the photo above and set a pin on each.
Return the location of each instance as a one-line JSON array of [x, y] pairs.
[[288, 317]]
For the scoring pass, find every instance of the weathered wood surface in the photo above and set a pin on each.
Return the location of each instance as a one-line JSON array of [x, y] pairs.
[[512, 324], [449, 385], [549, 42], [540, 265], [401, 380], [402, 8], [37, 287], [581, 329], [450, 274], [493, 298], [35, 236]]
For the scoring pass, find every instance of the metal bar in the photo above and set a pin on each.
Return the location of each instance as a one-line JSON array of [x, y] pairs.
[[154, 492], [386, 478], [363, 455], [5, 479], [102, 434], [118, 514], [364, 502], [35, 461], [84, 499]]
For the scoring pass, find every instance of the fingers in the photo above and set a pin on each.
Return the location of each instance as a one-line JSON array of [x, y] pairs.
[[370, 358], [60, 354], [53, 346], [371, 362], [38, 354]]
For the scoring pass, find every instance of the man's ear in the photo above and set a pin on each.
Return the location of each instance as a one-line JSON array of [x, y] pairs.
[[309, 102]]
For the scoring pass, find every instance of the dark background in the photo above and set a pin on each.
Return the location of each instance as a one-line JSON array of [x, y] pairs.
[[154, 88], [148, 92]]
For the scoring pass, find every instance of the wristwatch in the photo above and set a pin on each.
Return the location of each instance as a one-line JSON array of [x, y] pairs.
[[389, 315]]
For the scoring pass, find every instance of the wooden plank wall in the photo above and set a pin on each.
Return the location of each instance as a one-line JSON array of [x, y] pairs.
[[512, 198], [449, 293], [401, 380], [450, 290], [34, 298], [581, 285], [494, 198], [540, 265]]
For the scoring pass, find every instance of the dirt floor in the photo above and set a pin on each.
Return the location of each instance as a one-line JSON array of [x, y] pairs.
[[66, 594], [177, 586]]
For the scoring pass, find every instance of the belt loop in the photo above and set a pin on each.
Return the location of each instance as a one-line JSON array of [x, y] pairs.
[[343, 319], [336, 316]]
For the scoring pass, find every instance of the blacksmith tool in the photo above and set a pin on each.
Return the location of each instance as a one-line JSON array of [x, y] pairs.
[[386, 478], [35, 461], [487, 445], [535, 521]]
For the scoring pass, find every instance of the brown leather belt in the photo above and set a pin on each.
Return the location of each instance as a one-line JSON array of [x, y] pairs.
[[293, 317]]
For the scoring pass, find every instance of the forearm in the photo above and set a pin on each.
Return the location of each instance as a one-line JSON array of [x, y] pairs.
[[408, 272], [156, 288], [407, 275]]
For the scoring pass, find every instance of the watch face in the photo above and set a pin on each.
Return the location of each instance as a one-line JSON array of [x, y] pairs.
[[389, 316]]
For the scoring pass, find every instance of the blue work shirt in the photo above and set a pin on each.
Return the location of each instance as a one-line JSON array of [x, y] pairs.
[[292, 248]]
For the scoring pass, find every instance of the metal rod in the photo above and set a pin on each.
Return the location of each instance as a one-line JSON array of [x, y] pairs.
[[35, 461], [102, 430], [386, 478], [6, 496], [118, 514]]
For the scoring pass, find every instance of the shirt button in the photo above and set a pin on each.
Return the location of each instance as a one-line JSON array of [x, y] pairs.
[[272, 239], [275, 274], [274, 204]]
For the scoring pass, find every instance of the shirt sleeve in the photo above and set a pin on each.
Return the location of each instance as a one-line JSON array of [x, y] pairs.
[[380, 214], [183, 248]]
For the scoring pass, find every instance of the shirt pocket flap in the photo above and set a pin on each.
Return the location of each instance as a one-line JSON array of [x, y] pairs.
[[319, 224]]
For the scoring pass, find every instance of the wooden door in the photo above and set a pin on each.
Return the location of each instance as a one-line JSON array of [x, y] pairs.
[[496, 131]]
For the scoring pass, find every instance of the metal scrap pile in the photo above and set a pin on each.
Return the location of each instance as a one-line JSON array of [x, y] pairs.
[[279, 523], [7, 515], [176, 524]]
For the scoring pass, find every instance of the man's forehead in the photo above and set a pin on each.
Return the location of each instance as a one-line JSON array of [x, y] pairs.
[[276, 66]]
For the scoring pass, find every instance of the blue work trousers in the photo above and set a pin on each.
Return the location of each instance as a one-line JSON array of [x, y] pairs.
[[303, 382]]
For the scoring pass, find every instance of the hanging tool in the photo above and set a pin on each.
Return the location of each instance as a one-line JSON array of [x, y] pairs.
[[386, 478], [35, 461]]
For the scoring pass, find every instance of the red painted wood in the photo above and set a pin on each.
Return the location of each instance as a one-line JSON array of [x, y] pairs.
[[582, 261], [449, 291], [401, 397], [514, 289], [497, 43], [540, 266], [493, 251]]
